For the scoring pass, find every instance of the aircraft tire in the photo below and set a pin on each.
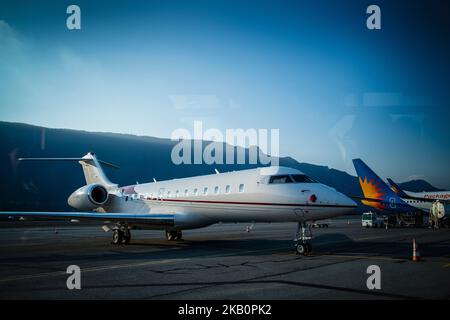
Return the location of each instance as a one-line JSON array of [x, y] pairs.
[[301, 248], [117, 236]]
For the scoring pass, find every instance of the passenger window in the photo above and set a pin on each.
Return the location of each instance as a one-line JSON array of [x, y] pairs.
[[177, 193], [241, 188], [168, 194], [205, 191], [195, 191], [216, 190], [227, 189], [280, 179], [186, 192]]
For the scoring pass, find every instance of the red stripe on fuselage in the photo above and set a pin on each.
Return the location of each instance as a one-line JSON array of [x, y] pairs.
[[253, 203]]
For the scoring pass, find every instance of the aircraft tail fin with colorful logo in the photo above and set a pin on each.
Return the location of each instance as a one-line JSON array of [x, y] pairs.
[[376, 192]]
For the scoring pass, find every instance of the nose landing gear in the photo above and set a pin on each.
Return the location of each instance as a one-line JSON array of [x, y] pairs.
[[302, 246]]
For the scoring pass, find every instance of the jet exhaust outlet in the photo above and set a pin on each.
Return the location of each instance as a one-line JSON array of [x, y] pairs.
[[98, 195]]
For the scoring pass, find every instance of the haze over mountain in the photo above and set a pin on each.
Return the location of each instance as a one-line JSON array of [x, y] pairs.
[[418, 186], [45, 186]]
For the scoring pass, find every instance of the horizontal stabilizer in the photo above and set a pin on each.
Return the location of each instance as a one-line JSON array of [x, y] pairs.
[[70, 159], [366, 199]]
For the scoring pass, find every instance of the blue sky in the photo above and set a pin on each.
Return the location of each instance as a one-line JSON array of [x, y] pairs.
[[335, 89]]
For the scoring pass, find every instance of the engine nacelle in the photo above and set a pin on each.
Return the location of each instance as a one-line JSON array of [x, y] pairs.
[[88, 197]]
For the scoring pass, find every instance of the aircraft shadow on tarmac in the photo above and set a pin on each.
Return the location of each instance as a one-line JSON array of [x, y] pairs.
[[327, 244], [332, 243]]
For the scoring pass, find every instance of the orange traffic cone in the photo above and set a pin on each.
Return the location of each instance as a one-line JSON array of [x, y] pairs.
[[416, 253]]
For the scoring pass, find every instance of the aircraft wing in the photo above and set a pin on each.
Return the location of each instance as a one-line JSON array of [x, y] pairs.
[[150, 218]]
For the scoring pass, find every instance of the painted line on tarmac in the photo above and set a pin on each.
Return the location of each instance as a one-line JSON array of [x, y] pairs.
[[149, 263], [361, 257], [122, 266], [91, 269], [393, 236]]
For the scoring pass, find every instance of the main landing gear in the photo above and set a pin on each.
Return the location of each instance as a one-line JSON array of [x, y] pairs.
[[302, 246], [121, 235], [173, 235]]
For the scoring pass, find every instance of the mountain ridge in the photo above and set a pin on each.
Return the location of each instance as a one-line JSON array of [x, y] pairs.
[[42, 187]]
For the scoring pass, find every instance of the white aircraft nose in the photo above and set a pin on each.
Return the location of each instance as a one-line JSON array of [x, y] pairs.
[[343, 200], [332, 196]]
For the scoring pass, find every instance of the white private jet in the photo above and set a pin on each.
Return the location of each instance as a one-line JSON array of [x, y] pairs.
[[268, 194]]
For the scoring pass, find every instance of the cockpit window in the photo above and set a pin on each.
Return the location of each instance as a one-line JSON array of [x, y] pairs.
[[280, 179], [301, 178]]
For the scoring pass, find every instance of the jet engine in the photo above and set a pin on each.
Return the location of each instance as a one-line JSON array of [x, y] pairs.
[[88, 197]]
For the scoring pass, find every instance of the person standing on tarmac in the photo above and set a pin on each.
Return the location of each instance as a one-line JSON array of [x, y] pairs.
[[435, 214]]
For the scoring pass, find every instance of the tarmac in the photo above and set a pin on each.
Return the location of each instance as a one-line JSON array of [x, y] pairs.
[[222, 261]]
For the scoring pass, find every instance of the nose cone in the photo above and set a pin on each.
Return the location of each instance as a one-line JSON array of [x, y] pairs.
[[334, 197], [343, 200]]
